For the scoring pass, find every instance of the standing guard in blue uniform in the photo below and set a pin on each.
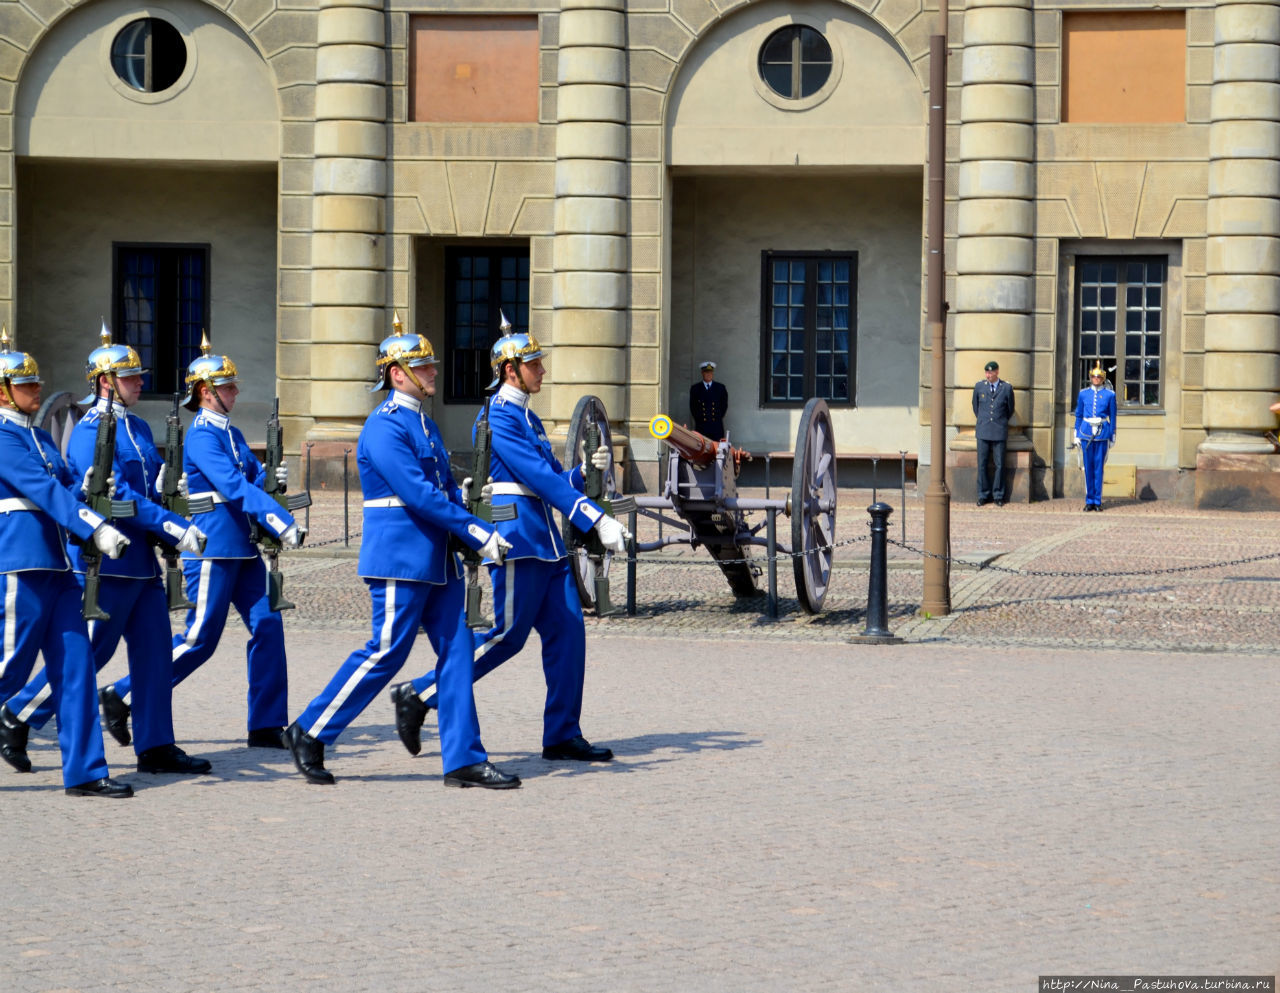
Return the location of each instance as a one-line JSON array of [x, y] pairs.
[[411, 507], [131, 591], [1095, 433], [40, 601], [230, 572], [534, 588], [708, 403]]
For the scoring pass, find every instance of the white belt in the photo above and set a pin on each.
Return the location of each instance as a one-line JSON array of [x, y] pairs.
[[385, 502], [16, 503], [511, 489], [212, 495]]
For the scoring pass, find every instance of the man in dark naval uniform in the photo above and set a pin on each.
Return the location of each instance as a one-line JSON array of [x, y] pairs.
[[993, 406], [708, 403]]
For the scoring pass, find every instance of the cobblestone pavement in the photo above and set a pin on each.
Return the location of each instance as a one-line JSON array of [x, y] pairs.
[[1025, 787], [1139, 575]]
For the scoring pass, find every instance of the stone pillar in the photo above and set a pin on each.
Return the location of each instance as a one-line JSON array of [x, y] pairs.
[[589, 278], [348, 263], [995, 225], [1242, 257]]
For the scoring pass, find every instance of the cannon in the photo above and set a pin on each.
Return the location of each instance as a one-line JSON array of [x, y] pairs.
[[701, 490]]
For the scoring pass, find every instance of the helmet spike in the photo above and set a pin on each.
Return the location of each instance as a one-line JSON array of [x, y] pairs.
[[105, 333], [6, 344], [204, 342], [396, 326], [504, 325]]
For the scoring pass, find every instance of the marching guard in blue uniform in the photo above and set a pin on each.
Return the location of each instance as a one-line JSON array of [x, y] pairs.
[[411, 508], [131, 591], [41, 603], [534, 588], [1095, 433], [230, 572]]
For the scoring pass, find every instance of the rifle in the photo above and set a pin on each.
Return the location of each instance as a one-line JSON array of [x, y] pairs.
[[269, 542], [593, 487], [172, 500], [99, 498], [487, 512]]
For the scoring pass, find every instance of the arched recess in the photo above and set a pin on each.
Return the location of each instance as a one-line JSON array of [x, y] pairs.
[[193, 169], [754, 178]]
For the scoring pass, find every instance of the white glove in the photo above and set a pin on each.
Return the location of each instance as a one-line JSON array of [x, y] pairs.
[[184, 490], [110, 542], [465, 491], [495, 548], [613, 535], [160, 479], [602, 458], [1075, 441], [291, 538], [486, 492], [282, 474], [192, 540], [88, 478]]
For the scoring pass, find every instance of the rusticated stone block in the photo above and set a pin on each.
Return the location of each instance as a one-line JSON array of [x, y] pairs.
[[1231, 332], [591, 253], [593, 290], [589, 326], [994, 255], [998, 332]]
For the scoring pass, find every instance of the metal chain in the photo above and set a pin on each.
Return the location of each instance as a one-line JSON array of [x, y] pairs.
[[758, 560], [1068, 574], [333, 541]]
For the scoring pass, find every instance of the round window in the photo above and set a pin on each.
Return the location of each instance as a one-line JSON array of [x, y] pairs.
[[795, 61], [149, 55]]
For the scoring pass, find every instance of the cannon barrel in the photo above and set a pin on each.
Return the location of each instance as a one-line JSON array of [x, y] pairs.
[[697, 449]]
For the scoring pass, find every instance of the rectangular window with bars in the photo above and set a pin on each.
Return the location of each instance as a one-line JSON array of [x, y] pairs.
[[479, 283], [160, 306], [1120, 318], [809, 327]]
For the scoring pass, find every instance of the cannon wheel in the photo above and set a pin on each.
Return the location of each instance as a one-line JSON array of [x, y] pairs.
[[589, 409], [813, 505], [58, 415]]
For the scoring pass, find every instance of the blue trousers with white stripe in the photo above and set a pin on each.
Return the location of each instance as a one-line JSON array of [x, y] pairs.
[[214, 586], [399, 608], [40, 612], [1095, 461], [140, 614], [533, 595]]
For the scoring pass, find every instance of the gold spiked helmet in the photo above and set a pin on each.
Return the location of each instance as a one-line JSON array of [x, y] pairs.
[[15, 366], [404, 349], [515, 347], [212, 370], [111, 360]]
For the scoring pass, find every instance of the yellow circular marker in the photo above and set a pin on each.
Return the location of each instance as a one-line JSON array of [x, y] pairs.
[[660, 426]]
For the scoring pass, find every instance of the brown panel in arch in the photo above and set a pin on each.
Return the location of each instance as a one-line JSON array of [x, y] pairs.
[[1124, 67], [473, 68]]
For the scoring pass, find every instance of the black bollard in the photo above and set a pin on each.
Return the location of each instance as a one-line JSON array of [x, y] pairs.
[[877, 631], [346, 498]]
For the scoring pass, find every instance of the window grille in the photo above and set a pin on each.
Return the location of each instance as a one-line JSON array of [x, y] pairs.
[[809, 333], [161, 307], [1120, 325], [478, 283]]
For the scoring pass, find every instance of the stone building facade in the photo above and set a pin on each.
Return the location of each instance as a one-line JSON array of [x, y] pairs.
[[647, 184]]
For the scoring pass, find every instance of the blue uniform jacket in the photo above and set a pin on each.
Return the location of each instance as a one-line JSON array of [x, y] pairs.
[[137, 463], [522, 454], [1096, 403], [412, 503], [31, 470], [218, 461]]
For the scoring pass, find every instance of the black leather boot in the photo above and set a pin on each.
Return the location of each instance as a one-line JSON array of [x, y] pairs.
[[308, 755]]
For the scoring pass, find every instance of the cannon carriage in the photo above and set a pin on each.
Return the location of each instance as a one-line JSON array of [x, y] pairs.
[[700, 505]]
